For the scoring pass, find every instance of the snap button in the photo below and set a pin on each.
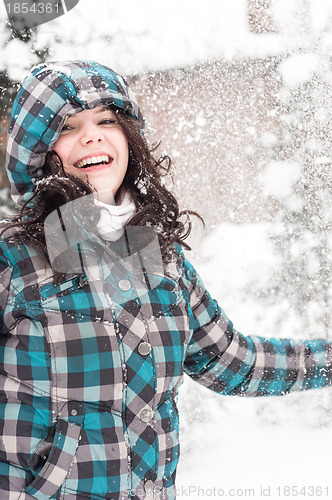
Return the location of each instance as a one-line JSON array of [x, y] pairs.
[[146, 415], [74, 412], [144, 348], [149, 485], [124, 285]]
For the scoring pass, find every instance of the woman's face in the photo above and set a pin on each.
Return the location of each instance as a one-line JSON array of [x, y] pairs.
[[93, 146]]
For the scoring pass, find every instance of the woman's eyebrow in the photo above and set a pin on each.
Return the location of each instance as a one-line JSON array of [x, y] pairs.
[[104, 108]]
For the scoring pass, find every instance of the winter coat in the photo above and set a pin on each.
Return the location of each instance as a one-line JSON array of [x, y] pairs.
[[90, 368], [90, 376]]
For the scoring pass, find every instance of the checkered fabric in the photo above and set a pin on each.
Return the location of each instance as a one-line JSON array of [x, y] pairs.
[[46, 98], [85, 413]]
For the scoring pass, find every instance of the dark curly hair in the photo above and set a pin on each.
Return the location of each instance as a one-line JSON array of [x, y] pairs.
[[155, 205]]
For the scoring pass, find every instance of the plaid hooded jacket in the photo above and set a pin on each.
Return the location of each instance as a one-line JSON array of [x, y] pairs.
[[90, 368]]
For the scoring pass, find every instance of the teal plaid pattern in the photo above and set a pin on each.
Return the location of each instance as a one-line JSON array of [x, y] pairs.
[[83, 413], [51, 93]]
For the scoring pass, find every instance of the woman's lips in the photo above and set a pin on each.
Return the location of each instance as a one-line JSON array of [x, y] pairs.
[[94, 168], [95, 161]]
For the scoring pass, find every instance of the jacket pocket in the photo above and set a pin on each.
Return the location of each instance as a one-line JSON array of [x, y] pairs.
[[49, 291], [58, 463], [163, 298]]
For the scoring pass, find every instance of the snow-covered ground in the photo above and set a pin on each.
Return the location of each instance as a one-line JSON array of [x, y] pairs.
[[230, 447], [250, 447]]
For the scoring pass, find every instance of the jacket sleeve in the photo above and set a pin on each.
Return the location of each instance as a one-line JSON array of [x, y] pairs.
[[229, 363]]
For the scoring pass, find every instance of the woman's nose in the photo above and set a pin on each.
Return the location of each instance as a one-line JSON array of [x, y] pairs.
[[91, 134]]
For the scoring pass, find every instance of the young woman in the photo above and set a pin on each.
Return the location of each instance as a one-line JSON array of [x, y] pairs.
[[99, 323]]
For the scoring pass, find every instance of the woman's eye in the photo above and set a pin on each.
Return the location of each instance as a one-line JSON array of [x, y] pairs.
[[65, 128], [107, 121]]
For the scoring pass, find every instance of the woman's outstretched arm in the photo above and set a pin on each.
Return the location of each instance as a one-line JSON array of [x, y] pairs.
[[227, 362]]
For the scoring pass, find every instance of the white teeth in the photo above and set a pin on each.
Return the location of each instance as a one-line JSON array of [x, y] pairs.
[[93, 160]]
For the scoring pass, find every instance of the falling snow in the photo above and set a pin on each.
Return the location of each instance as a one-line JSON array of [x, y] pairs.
[[245, 116]]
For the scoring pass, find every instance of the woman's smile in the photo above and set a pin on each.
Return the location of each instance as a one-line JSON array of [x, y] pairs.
[[97, 160]]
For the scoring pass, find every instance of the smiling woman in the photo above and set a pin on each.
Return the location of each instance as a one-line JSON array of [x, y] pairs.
[[92, 356], [93, 146], [102, 123]]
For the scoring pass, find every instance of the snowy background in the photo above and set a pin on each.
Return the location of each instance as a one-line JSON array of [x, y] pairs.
[[266, 260]]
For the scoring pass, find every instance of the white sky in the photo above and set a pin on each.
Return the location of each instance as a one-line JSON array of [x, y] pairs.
[[134, 36]]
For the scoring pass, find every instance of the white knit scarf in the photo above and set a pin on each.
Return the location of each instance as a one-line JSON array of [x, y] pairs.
[[113, 218]]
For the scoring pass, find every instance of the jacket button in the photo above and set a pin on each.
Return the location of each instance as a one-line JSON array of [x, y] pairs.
[[149, 485], [144, 348], [146, 415], [124, 285], [73, 413]]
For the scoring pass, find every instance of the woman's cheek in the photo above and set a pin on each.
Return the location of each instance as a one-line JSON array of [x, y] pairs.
[[63, 147]]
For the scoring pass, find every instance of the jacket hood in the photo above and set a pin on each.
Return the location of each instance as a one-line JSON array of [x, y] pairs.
[[51, 93]]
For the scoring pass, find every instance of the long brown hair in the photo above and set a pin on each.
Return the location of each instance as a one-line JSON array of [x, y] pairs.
[[155, 205]]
